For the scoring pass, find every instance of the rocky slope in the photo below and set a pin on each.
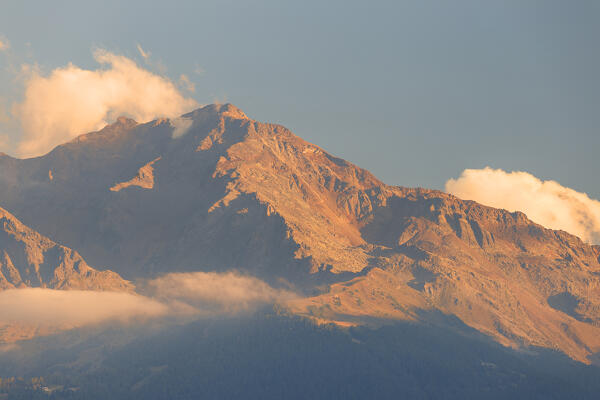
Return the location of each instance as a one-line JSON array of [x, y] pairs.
[[133, 197], [496, 271], [28, 259], [228, 192]]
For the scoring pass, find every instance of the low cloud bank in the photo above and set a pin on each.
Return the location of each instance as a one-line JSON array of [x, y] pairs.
[[545, 202], [74, 308], [71, 101], [213, 292], [185, 295]]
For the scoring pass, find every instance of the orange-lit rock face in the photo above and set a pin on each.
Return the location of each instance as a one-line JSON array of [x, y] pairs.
[[497, 272], [234, 193]]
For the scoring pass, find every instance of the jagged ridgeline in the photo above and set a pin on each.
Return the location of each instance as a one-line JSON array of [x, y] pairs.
[[215, 190]]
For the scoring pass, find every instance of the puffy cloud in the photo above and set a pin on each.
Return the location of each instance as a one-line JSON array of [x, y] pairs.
[[73, 308], [71, 101], [213, 292], [545, 202]]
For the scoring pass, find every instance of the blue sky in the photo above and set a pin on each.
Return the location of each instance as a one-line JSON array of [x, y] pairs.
[[414, 91]]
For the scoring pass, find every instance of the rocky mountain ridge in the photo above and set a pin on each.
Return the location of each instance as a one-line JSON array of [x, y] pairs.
[[227, 192]]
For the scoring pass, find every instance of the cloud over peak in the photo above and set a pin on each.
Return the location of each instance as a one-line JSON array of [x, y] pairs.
[[71, 100], [545, 202]]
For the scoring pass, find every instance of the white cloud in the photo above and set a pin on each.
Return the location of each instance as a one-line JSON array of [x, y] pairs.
[[173, 297], [73, 308], [71, 101], [213, 292], [545, 202], [180, 126]]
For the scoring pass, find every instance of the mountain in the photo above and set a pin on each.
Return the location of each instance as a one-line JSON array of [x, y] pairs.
[[28, 259], [215, 190]]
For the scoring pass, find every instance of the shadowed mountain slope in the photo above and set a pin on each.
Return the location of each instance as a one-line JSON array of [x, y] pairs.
[[28, 259], [216, 190]]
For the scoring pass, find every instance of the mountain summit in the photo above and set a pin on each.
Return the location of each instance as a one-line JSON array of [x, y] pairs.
[[215, 190]]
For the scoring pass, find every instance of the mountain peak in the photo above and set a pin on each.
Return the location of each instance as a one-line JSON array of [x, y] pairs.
[[225, 110], [123, 121], [229, 110]]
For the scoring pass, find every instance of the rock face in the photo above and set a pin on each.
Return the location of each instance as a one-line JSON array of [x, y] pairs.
[[229, 192], [496, 271], [28, 259]]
